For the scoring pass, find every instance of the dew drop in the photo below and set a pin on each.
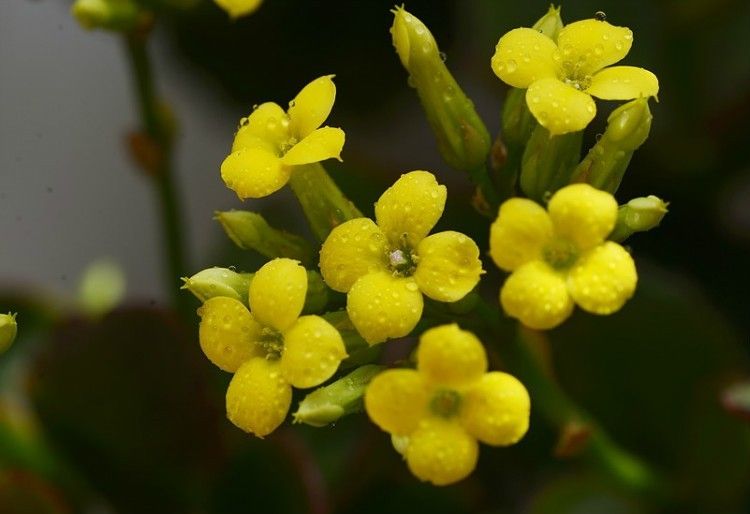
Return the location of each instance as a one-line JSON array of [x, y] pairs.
[[511, 66]]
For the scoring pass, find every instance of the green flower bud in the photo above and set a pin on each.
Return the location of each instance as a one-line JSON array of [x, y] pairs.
[[250, 231], [117, 15], [344, 396], [638, 215], [8, 329], [323, 203], [550, 24], [628, 128], [317, 293], [101, 288], [548, 162], [216, 281], [462, 137]]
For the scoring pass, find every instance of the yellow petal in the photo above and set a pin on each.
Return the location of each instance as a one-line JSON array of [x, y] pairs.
[[313, 350], [353, 249], [449, 356], [254, 172], [559, 107], [321, 144], [603, 279], [382, 306], [523, 56], [495, 409], [587, 46], [227, 333], [258, 397], [449, 266], [237, 8], [268, 122], [396, 400], [411, 206], [623, 83], [312, 105], [441, 452], [518, 234], [583, 214], [277, 293], [537, 296]]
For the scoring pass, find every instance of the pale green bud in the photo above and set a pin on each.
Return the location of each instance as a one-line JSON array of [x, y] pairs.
[[323, 203], [550, 24], [462, 137], [8, 330], [102, 287], [548, 162], [344, 396], [628, 128], [250, 231], [216, 281], [638, 215], [118, 15]]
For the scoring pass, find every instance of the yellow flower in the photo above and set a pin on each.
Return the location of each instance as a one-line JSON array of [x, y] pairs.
[[560, 257], [270, 349], [386, 267], [271, 142], [237, 8], [561, 77], [437, 412]]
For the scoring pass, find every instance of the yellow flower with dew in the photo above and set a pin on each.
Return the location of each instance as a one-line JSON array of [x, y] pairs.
[[385, 267], [436, 413], [271, 142], [270, 347], [562, 76], [559, 257], [238, 8]]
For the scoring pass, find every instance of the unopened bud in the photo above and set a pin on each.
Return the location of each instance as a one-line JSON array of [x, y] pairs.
[[550, 24], [8, 329], [238, 8], [344, 396], [117, 15], [548, 162], [628, 128], [250, 231], [101, 288], [462, 137], [638, 215], [213, 282]]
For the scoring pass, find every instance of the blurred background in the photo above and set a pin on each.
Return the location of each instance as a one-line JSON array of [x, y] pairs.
[[123, 414]]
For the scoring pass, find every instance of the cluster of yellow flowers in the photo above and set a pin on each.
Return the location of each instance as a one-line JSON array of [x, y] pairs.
[[557, 255]]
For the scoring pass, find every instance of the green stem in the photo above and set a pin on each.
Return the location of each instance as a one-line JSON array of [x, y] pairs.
[[158, 132], [560, 410], [481, 179]]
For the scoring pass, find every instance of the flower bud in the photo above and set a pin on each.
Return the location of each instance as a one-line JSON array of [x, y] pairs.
[[8, 329], [238, 8], [550, 24], [548, 162], [216, 281], [344, 396], [250, 231], [117, 15], [101, 288], [323, 203], [628, 128], [461, 135], [317, 293], [638, 215]]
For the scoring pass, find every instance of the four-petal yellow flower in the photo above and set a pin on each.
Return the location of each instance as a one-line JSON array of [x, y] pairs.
[[271, 142], [561, 77], [437, 412], [560, 257], [270, 349], [386, 267]]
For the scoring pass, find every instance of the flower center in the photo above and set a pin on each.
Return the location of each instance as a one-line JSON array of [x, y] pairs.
[[445, 403], [272, 342], [288, 144], [560, 253], [402, 261]]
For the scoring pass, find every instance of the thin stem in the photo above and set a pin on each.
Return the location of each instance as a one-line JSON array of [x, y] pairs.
[[158, 133], [481, 179], [561, 411]]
